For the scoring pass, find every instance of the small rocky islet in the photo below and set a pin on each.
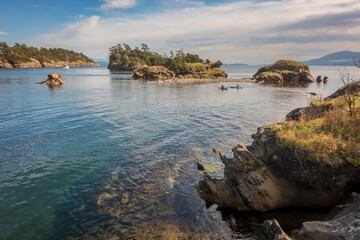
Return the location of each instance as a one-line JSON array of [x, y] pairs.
[[153, 66]]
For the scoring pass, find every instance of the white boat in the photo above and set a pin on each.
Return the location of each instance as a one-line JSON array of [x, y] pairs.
[[67, 63]]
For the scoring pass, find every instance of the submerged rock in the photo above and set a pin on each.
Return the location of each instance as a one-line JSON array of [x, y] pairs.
[[54, 80], [284, 71]]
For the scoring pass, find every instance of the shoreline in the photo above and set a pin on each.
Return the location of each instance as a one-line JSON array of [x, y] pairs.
[[207, 80], [47, 65]]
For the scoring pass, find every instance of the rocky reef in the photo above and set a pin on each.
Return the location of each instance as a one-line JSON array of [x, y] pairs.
[[54, 80], [284, 71]]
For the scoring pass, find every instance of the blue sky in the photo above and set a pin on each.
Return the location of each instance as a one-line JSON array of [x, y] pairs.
[[249, 31]]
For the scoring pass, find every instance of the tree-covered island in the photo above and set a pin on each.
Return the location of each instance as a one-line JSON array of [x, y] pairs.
[[151, 65], [23, 56]]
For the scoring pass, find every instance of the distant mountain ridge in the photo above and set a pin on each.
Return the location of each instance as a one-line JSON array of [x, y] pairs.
[[343, 58]]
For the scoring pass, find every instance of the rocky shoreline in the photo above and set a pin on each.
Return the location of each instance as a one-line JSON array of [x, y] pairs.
[[37, 64], [207, 80], [269, 175]]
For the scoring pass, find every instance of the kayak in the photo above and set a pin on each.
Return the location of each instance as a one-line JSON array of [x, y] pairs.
[[224, 88], [237, 87]]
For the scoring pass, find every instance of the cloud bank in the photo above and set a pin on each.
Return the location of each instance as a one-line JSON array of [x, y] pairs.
[[249, 32], [115, 4]]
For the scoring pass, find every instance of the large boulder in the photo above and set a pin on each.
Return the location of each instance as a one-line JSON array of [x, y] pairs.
[[267, 176], [284, 71], [345, 224], [54, 80], [153, 73]]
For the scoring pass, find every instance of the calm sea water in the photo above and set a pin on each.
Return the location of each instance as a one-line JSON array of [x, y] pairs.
[[106, 155]]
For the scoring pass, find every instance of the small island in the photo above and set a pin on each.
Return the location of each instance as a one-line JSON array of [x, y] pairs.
[[284, 71], [22, 56], [153, 66]]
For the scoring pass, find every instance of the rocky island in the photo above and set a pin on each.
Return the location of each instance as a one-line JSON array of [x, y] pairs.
[[284, 71], [153, 66], [54, 80], [310, 160], [22, 56]]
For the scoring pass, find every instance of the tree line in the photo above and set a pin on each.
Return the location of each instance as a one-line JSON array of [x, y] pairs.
[[20, 53], [175, 61]]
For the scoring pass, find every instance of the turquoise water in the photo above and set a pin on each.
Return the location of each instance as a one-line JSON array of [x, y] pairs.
[[106, 154]]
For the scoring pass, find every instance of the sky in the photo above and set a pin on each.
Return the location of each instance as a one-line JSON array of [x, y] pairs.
[[250, 31]]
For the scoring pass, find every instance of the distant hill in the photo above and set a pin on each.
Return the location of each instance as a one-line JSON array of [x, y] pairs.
[[343, 58]]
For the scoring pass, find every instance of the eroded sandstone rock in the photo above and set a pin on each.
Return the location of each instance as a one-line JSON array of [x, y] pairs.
[[267, 176], [54, 80]]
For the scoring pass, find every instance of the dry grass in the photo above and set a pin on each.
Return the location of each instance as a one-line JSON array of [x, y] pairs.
[[333, 139]]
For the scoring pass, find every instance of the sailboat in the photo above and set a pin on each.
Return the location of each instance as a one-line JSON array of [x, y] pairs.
[[67, 63]]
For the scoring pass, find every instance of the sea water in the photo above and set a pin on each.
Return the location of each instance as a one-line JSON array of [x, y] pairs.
[[107, 156]]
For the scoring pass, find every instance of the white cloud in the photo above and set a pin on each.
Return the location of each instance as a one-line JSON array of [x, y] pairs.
[[115, 4], [249, 32], [3, 33]]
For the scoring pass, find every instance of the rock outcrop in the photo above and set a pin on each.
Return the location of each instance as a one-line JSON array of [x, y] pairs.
[[33, 63], [54, 80], [319, 111], [344, 225], [284, 71], [267, 176], [78, 63], [5, 65], [319, 79], [325, 79], [273, 230], [153, 73], [203, 70]]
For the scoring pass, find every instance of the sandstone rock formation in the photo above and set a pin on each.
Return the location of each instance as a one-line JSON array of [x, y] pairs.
[[33, 63], [153, 73], [284, 71], [54, 80], [267, 176], [5, 65], [78, 63]]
